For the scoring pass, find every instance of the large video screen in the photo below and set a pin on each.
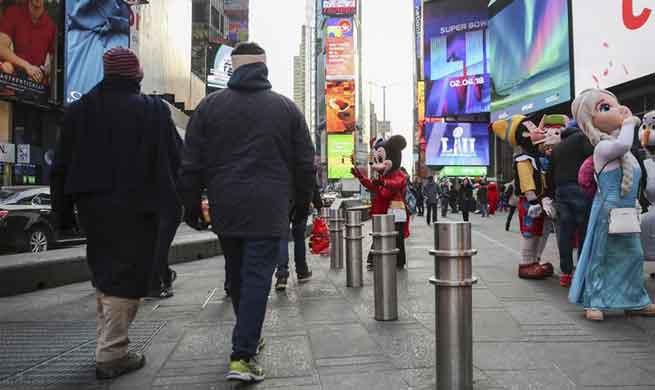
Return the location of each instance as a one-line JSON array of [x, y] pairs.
[[529, 56], [339, 7], [456, 66], [618, 55], [340, 106], [340, 148], [28, 74], [455, 144], [92, 28], [219, 67], [340, 49]]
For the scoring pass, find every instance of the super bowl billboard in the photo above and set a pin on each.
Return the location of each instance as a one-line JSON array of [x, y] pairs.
[[339, 7], [457, 144], [456, 66]]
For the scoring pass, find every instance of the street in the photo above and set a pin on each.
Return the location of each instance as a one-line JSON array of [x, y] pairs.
[[322, 335]]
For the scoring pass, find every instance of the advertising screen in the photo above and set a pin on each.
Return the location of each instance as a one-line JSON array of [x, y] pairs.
[[617, 55], [340, 49], [529, 56], [463, 172], [92, 28], [28, 74], [219, 67], [340, 148], [456, 67], [339, 7], [420, 100], [456, 144], [340, 106]]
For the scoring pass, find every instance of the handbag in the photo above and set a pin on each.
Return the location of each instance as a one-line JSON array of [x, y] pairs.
[[621, 220]]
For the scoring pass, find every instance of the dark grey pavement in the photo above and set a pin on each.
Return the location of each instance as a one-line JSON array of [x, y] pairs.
[[322, 335]]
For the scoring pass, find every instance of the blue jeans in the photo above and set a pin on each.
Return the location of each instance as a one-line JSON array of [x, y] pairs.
[[250, 265], [572, 213], [298, 231]]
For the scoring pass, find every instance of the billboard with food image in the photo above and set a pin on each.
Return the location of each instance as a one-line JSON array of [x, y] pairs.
[[340, 106]]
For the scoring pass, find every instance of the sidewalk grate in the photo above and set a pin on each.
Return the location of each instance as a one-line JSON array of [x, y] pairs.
[[43, 355]]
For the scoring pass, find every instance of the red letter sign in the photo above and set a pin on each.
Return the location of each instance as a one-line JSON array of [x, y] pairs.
[[632, 21]]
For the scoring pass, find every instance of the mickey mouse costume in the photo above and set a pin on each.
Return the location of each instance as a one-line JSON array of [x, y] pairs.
[[389, 188]]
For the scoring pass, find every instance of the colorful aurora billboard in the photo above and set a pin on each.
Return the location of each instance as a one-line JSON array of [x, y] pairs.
[[529, 56]]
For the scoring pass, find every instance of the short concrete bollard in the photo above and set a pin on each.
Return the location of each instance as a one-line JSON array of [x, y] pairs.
[[385, 285], [354, 238], [453, 283]]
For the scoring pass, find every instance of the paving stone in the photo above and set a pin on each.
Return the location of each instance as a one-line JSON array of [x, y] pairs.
[[287, 357], [381, 380], [495, 325], [408, 346], [532, 380], [328, 311], [342, 341]]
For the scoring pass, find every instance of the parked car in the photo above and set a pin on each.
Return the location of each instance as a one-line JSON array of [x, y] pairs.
[[27, 223]]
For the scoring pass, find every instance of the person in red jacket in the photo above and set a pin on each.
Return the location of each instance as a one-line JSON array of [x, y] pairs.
[[492, 197], [388, 189]]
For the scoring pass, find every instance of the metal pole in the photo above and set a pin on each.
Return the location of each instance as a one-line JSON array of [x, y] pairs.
[[385, 287], [336, 239], [325, 214], [453, 283], [384, 103], [354, 237]]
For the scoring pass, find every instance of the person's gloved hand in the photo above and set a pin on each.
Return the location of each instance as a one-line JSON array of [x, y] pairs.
[[549, 207], [378, 182], [535, 211]]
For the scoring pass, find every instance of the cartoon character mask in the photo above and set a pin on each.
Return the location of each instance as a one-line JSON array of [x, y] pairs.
[[387, 154]]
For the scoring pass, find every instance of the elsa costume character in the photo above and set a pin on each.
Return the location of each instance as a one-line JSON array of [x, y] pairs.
[[610, 271]]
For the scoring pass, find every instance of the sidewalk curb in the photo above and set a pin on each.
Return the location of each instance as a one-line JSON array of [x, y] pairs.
[[39, 273]]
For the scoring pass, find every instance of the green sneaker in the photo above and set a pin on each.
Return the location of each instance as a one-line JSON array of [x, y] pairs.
[[244, 371]]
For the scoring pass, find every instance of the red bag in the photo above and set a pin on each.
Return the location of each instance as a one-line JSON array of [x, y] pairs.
[[319, 241], [586, 177]]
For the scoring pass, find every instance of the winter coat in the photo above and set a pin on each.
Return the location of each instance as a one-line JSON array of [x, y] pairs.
[[250, 147], [430, 192], [117, 160]]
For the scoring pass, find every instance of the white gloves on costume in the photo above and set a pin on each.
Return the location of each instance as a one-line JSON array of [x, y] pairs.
[[535, 211], [549, 208]]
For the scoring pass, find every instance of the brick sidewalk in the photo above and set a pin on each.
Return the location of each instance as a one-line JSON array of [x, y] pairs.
[[322, 335]]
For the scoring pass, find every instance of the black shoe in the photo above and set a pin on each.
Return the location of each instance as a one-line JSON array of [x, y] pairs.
[[304, 277], [131, 362], [281, 284], [369, 266]]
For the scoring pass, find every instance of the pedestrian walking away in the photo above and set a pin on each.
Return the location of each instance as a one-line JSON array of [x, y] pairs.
[[250, 147], [120, 190], [430, 193]]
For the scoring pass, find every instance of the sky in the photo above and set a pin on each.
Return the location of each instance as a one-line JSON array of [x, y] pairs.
[[387, 50]]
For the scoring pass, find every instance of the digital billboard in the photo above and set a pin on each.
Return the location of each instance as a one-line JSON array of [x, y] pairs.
[[340, 106], [529, 56], [617, 55], [457, 144], [420, 100], [340, 148], [339, 7], [219, 67], [340, 49], [455, 55], [30, 32], [92, 28]]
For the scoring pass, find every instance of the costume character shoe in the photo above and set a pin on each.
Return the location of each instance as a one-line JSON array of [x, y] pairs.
[[565, 280], [648, 311], [548, 267], [594, 315]]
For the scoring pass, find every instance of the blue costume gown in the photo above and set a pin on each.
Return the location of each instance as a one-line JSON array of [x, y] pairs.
[[610, 273]]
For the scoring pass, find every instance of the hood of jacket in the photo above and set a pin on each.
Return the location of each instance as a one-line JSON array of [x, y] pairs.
[[251, 77]]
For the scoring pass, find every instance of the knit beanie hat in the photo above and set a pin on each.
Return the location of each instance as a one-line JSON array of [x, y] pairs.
[[246, 53], [120, 62]]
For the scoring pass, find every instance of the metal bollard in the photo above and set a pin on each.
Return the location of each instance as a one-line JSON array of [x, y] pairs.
[[385, 287], [325, 214], [336, 239], [354, 238], [453, 283]]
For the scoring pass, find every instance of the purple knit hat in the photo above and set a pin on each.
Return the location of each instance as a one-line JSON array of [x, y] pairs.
[[120, 62]]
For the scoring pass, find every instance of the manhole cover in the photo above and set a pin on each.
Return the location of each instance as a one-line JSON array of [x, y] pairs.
[[39, 355]]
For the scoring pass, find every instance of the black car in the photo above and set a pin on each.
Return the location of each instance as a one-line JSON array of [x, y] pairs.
[[27, 222]]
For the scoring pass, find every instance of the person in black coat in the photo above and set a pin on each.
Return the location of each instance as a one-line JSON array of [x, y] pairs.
[[116, 161], [250, 147], [466, 198]]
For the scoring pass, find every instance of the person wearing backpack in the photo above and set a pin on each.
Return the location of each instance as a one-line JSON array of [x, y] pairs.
[[430, 194]]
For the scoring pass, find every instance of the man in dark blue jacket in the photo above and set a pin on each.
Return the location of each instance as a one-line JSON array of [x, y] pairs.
[[250, 147]]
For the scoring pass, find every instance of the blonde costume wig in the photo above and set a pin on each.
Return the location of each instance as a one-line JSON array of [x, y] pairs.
[[583, 109]]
